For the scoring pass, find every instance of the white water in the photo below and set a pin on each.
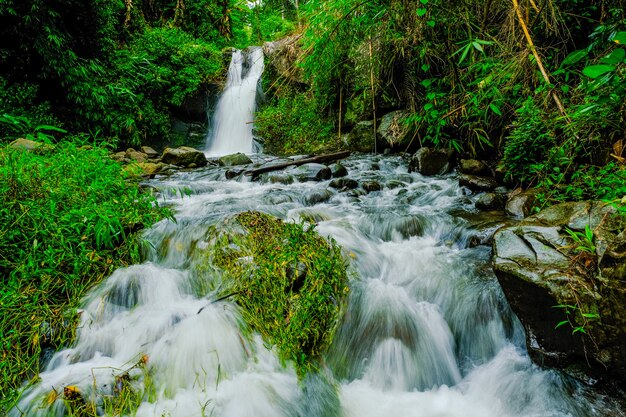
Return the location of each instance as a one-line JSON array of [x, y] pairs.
[[234, 114], [426, 333]]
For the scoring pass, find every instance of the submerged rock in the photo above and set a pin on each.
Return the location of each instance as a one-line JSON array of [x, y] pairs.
[[491, 201], [344, 183], [429, 161], [317, 196], [338, 170], [567, 287], [29, 145]]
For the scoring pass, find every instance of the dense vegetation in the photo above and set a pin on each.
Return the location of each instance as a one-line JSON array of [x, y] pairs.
[[68, 217], [290, 290], [538, 85]]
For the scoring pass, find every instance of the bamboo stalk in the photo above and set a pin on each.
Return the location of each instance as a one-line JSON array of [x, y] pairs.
[[375, 127], [542, 69]]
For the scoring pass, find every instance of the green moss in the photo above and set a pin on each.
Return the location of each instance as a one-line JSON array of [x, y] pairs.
[[287, 279]]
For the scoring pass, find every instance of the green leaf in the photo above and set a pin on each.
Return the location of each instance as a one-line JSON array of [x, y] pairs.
[[594, 71], [431, 23], [425, 67], [574, 57], [561, 323], [619, 38], [495, 109], [615, 57], [421, 11], [424, 1], [478, 46]]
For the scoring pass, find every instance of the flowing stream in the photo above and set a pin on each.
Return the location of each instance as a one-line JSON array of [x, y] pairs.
[[426, 332], [234, 114]]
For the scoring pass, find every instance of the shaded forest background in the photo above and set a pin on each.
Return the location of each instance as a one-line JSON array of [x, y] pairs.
[[536, 87]]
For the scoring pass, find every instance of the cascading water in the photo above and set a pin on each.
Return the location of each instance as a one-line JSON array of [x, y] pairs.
[[234, 114], [426, 331]]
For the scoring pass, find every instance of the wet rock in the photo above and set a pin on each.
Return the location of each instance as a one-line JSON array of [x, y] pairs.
[[150, 152], [540, 266], [234, 160], [428, 161], [338, 170], [283, 55], [29, 145], [312, 172], [281, 179], [473, 167], [490, 201], [371, 186], [520, 203], [233, 173], [344, 183], [362, 137], [476, 183], [183, 157], [392, 129], [317, 196], [393, 184]]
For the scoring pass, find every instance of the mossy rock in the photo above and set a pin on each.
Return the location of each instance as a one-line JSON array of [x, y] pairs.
[[288, 280]]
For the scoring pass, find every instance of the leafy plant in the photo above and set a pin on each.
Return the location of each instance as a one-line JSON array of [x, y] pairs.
[[68, 217], [571, 311], [584, 240]]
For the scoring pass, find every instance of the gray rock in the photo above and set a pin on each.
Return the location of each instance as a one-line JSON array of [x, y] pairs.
[[393, 184], [491, 201], [428, 161], [371, 186], [233, 173], [317, 196], [183, 157], [280, 179], [473, 167], [540, 266], [362, 137], [150, 152], [338, 170], [344, 183], [312, 172], [283, 55], [520, 203], [29, 145], [234, 160], [392, 129], [476, 183]]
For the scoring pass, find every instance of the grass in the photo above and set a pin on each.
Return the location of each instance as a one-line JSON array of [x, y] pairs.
[[68, 217], [288, 280]]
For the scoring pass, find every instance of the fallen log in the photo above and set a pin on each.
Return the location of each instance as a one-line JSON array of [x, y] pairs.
[[319, 159]]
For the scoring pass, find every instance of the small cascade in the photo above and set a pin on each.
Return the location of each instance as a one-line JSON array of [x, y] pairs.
[[426, 330], [234, 114]]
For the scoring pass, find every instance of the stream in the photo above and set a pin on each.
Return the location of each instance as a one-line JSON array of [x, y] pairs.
[[426, 330]]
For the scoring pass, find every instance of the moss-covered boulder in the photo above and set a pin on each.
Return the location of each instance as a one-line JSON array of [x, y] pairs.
[[288, 280], [563, 272]]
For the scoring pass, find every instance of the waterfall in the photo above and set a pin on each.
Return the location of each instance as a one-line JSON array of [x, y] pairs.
[[234, 114]]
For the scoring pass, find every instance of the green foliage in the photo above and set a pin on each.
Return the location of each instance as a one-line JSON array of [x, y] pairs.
[[291, 124], [527, 148], [68, 217], [574, 316], [288, 281]]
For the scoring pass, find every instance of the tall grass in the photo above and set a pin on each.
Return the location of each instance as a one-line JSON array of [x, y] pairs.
[[68, 217]]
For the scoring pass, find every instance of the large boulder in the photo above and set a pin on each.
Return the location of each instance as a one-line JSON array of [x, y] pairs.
[[282, 55], [476, 183], [361, 138], [429, 161], [562, 271], [473, 167], [184, 157], [393, 131], [520, 203]]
